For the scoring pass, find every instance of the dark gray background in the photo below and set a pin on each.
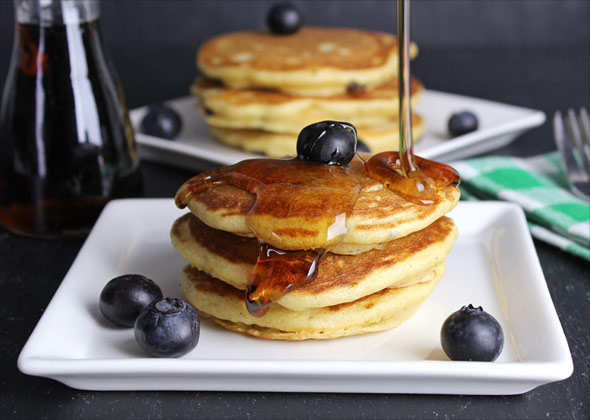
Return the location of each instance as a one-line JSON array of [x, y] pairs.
[[153, 42]]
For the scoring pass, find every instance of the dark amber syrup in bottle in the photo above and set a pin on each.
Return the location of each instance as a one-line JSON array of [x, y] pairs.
[[67, 145]]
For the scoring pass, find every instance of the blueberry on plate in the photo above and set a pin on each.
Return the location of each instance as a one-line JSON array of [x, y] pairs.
[[124, 297], [327, 142], [168, 328], [161, 121], [472, 334], [284, 19], [462, 123]]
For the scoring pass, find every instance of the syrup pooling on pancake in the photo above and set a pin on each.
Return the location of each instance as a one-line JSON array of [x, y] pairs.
[[323, 194], [421, 184]]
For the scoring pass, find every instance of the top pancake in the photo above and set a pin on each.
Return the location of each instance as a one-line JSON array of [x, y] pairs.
[[293, 205], [313, 61]]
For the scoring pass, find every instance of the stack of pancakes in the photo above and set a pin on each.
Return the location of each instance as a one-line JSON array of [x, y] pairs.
[[258, 90], [386, 257]]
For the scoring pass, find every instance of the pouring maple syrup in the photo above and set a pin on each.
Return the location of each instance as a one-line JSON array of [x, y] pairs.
[[408, 175], [406, 146], [288, 188]]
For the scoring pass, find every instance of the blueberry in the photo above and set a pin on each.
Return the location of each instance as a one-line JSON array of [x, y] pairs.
[[361, 146], [124, 297], [328, 142], [462, 123], [161, 121], [472, 334], [168, 328], [284, 19]]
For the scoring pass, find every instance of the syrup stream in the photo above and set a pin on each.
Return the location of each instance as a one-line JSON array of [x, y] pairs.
[[403, 80]]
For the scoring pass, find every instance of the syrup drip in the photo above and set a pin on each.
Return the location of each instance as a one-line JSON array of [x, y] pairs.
[[285, 189], [277, 272], [419, 187]]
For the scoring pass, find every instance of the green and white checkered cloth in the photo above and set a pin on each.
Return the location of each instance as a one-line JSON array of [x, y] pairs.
[[539, 185]]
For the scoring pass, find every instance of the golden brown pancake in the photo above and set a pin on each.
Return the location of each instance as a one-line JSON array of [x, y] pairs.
[[294, 205], [355, 106], [313, 61], [378, 138], [262, 128], [224, 305], [341, 278]]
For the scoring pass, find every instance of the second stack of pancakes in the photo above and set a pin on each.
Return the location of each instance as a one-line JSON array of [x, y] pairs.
[[387, 257], [258, 89]]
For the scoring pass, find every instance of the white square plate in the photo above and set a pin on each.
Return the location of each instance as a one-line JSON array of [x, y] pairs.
[[499, 124], [492, 264]]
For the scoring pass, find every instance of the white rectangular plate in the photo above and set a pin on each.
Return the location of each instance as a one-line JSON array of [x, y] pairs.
[[499, 124], [492, 264]]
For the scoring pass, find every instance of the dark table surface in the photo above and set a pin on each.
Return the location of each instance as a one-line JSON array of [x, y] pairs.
[[31, 270]]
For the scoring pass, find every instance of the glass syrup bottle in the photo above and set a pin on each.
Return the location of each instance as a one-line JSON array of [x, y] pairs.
[[66, 143]]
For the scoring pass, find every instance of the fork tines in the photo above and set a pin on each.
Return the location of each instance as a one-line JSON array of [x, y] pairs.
[[573, 141]]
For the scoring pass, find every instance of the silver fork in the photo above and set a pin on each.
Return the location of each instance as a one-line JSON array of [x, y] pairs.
[[572, 136]]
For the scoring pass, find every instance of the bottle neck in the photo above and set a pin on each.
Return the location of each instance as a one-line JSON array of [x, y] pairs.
[[55, 12]]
